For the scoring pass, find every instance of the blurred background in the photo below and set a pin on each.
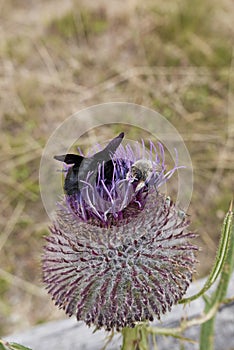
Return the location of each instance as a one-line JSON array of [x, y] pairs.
[[57, 57]]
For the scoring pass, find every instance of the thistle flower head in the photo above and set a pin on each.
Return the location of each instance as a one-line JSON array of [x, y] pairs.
[[119, 251]]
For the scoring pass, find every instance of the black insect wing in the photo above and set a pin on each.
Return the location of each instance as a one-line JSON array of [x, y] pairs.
[[86, 169], [71, 183]]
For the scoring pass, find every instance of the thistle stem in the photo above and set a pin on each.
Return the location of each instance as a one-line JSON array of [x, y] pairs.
[[135, 338]]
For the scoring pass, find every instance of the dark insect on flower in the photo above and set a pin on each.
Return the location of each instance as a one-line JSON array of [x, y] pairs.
[[82, 166], [120, 253]]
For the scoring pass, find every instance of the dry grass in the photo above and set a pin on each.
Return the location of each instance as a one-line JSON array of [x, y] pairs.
[[174, 57]]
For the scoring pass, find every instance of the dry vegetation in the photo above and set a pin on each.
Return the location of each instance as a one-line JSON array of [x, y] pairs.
[[58, 57]]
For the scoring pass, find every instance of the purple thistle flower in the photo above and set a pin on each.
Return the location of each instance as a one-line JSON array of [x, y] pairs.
[[119, 251]]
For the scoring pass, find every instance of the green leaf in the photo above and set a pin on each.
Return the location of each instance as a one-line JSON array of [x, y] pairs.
[[12, 346], [2, 347], [15, 346], [220, 257], [207, 329]]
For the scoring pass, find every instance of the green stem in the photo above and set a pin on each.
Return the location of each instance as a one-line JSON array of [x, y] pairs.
[[135, 338], [207, 335]]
